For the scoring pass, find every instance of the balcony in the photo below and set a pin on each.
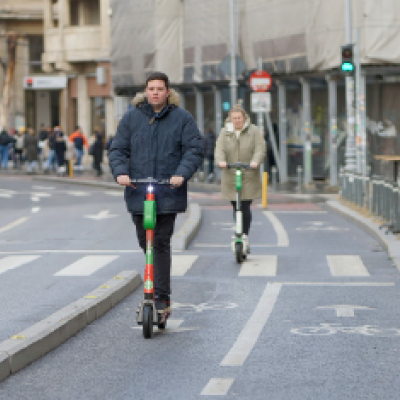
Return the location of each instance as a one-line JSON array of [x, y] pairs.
[[74, 44]]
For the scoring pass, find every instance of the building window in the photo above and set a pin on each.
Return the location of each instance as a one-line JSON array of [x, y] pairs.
[[36, 49], [84, 12], [98, 107]]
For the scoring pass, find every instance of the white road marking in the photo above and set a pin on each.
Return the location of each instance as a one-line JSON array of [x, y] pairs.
[[13, 224], [43, 187], [105, 214], [40, 194], [78, 194], [36, 199], [181, 264], [213, 245], [86, 266], [13, 262], [35, 210], [259, 266], [347, 266], [299, 212], [6, 195], [337, 283], [115, 193], [71, 251], [173, 326], [217, 387], [283, 239], [344, 310], [248, 337]]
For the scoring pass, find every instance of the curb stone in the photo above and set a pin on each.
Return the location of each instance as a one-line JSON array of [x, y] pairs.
[[39, 339], [181, 240], [389, 243]]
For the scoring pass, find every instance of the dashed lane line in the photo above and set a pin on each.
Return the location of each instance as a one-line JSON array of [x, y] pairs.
[[181, 264], [86, 266], [14, 224], [217, 387], [259, 266], [347, 266], [13, 262]]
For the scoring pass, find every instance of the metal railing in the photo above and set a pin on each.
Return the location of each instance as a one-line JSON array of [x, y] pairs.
[[377, 195]]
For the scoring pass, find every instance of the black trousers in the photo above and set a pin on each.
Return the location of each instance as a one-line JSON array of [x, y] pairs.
[[246, 211], [162, 250]]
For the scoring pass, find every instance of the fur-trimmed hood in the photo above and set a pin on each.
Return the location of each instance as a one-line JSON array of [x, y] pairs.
[[173, 98]]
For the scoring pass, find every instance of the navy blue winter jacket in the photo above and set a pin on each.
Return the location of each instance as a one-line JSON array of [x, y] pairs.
[[156, 145]]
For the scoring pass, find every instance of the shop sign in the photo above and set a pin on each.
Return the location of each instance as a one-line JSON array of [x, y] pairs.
[[45, 82]]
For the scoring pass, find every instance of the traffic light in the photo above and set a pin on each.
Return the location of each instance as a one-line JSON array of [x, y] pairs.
[[347, 58]]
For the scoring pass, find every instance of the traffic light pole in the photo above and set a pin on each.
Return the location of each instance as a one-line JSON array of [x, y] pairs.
[[350, 154]]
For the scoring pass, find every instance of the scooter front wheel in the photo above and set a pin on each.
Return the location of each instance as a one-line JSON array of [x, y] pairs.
[[147, 321], [239, 252]]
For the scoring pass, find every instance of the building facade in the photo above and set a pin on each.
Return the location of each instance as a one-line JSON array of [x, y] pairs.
[[62, 74], [299, 43]]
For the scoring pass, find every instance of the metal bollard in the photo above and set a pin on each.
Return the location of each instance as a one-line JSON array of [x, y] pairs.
[[299, 178], [274, 177]]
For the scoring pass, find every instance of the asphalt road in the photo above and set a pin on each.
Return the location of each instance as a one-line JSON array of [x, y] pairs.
[[313, 314]]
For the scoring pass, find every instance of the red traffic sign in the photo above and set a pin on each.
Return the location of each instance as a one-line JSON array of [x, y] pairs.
[[260, 81]]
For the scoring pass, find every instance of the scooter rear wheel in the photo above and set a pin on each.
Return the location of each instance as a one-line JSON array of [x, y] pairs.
[[147, 321], [239, 252]]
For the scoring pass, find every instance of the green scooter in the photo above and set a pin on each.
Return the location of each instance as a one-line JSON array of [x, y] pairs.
[[239, 244]]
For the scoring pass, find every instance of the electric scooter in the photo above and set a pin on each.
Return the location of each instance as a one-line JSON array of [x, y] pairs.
[[147, 314], [239, 246]]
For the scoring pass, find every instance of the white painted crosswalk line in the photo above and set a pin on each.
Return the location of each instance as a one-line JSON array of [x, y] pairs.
[[259, 266], [347, 266], [86, 266], [217, 387], [13, 262], [181, 264]]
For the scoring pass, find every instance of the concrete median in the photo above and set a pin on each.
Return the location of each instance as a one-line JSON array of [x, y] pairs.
[[39, 339]]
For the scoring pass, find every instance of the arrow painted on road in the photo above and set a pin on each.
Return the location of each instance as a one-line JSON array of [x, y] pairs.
[[101, 215], [345, 310]]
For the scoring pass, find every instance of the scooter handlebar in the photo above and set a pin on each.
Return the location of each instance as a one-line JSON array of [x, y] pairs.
[[151, 180], [239, 165]]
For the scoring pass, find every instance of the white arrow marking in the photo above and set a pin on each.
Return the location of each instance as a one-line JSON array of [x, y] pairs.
[[35, 209], [344, 310], [35, 198], [173, 326], [101, 215]]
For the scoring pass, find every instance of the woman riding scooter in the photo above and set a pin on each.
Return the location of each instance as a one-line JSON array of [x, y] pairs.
[[240, 141]]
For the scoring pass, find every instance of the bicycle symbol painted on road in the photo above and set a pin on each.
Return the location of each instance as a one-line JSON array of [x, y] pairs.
[[331, 329], [203, 306]]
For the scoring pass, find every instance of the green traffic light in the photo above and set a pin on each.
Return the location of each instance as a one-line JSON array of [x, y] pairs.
[[347, 67]]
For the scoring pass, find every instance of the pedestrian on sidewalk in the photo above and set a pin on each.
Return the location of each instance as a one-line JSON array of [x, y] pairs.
[[158, 139], [98, 149], [51, 157], [60, 148], [80, 141], [209, 147], [32, 150], [5, 141], [240, 141], [18, 149]]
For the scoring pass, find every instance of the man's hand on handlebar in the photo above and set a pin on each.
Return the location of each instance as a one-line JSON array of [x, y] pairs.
[[222, 164], [253, 165], [124, 180], [177, 180]]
